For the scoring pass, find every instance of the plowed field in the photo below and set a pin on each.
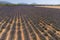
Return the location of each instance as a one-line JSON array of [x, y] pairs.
[[29, 23]]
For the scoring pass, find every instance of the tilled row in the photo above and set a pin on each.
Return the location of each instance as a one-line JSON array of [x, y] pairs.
[[24, 28]]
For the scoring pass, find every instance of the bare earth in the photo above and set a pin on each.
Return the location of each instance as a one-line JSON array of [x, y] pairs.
[[57, 7]]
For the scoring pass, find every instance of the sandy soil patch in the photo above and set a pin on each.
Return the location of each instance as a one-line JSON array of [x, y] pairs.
[[58, 7]]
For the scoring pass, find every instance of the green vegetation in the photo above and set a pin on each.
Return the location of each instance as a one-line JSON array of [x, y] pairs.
[[7, 4], [26, 5], [13, 4]]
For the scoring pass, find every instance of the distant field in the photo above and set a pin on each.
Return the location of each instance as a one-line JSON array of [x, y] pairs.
[[58, 7]]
